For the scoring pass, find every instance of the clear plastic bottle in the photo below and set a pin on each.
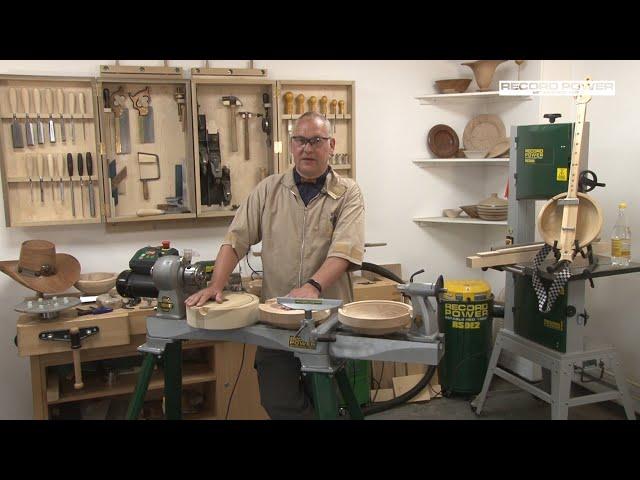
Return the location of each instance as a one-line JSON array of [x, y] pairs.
[[621, 239]]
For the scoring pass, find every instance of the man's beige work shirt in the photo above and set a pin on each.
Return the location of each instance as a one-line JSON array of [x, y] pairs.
[[296, 240]]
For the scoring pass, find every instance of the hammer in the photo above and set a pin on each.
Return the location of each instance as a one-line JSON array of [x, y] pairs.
[[232, 102], [246, 116]]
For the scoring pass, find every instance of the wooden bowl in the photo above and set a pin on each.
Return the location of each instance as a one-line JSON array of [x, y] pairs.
[[471, 210], [588, 225], [451, 212], [96, 283], [475, 153], [453, 85], [272, 313], [375, 316]]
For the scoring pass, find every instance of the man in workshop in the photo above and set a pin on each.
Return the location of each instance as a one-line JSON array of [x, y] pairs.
[[311, 224]]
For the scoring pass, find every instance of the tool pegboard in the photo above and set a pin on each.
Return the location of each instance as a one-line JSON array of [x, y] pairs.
[[49, 144], [147, 151], [335, 100], [233, 142]]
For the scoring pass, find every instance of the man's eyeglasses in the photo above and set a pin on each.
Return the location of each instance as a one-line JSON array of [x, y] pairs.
[[301, 141]]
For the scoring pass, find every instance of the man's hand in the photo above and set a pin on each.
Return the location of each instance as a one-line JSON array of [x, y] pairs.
[[200, 298], [305, 291]]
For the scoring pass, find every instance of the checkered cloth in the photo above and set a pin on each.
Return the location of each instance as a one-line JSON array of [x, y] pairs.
[[546, 299]]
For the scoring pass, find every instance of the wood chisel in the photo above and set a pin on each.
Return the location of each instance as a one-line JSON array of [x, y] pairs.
[[60, 162], [80, 173], [16, 131], [313, 103], [60, 99], [323, 105], [141, 101], [92, 205], [288, 110], [82, 113], [28, 126], [51, 174], [38, 105], [41, 175], [70, 172], [72, 110], [334, 111], [30, 172], [48, 99]]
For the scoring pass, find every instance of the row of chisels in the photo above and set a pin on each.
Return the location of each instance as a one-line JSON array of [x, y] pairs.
[[53, 170], [35, 131], [330, 110]]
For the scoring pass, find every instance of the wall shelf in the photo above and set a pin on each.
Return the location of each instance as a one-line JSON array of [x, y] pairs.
[[487, 97], [436, 162], [458, 220]]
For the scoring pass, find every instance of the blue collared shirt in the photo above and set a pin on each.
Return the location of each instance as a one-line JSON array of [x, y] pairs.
[[308, 190]]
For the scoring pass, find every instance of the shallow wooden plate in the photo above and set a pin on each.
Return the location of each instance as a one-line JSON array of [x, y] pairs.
[[272, 313], [483, 132], [443, 141]]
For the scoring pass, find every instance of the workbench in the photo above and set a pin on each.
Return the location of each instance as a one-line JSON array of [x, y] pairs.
[[124, 330], [121, 333]]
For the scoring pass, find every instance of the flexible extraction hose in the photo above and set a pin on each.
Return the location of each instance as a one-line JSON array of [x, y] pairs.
[[424, 381]]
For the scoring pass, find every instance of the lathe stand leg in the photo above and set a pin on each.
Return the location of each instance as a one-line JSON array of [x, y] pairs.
[[173, 381], [349, 396], [324, 396], [326, 400], [172, 365], [133, 412]]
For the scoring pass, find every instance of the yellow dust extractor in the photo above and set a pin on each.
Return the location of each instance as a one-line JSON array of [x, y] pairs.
[[465, 317]]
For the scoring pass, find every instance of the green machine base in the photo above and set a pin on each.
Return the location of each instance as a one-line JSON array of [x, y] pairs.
[[325, 394], [548, 329]]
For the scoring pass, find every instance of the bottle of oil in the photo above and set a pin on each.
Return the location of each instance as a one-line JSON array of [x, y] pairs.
[[621, 239]]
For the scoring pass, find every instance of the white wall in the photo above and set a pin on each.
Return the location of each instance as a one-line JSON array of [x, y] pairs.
[[391, 131]]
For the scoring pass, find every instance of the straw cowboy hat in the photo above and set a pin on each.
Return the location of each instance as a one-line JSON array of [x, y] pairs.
[[41, 269]]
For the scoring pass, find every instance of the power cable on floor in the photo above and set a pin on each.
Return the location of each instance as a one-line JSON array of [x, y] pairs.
[[226, 416]]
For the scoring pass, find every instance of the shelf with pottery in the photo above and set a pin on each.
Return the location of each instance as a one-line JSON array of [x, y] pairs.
[[488, 97], [436, 162], [458, 220]]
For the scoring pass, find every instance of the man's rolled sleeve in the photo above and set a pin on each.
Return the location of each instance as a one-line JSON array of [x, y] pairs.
[[348, 235], [246, 228]]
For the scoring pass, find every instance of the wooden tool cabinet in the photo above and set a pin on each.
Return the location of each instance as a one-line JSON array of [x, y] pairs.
[[20, 209], [172, 145], [245, 173], [209, 371], [175, 142], [308, 95]]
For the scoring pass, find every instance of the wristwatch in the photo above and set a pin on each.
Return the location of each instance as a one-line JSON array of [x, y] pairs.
[[315, 284]]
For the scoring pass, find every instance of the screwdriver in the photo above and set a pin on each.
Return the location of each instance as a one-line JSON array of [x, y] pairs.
[[70, 171], [80, 172], [92, 203]]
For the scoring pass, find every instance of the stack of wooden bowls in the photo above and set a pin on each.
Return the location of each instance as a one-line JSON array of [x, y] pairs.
[[493, 208]]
